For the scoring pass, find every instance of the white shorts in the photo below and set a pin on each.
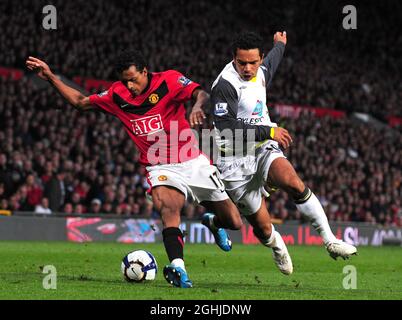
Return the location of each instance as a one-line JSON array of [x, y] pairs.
[[245, 177], [197, 179]]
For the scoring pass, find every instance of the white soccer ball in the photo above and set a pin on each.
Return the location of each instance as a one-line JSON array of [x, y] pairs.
[[138, 266]]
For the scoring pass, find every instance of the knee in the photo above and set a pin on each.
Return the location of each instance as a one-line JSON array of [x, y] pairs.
[[228, 215], [235, 223]]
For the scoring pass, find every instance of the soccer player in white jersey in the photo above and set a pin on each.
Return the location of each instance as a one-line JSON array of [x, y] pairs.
[[239, 101]]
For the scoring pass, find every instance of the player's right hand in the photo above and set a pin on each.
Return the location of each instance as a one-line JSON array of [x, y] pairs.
[[40, 67], [283, 137]]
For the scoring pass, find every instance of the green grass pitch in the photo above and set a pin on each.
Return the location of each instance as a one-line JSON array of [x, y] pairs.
[[92, 271]]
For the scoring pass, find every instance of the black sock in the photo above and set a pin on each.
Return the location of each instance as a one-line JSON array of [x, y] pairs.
[[303, 197], [173, 241]]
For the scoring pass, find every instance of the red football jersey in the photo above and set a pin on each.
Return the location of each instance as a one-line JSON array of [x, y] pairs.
[[156, 119]]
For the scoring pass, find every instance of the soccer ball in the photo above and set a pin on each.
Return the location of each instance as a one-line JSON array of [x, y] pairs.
[[138, 266]]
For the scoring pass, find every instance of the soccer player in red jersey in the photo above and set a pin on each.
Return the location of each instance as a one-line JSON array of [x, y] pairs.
[[151, 108]]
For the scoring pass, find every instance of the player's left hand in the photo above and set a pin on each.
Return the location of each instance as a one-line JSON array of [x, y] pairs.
[[283, 137], [280, 36], [197, 116]]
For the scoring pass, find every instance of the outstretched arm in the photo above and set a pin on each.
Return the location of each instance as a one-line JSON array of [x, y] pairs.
[[73, 96], [274, 57]]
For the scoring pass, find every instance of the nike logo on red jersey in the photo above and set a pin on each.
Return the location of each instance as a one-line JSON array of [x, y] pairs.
[[150, 101]]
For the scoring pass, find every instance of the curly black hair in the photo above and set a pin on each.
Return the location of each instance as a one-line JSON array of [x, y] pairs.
[[128, 58], [247, 41]]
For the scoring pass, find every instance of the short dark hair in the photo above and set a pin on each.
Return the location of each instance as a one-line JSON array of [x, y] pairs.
[[247, 41], [128, 58]]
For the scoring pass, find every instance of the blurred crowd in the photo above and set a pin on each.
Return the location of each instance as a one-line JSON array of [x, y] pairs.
[[353, 168], [324, 65], [56, 159]]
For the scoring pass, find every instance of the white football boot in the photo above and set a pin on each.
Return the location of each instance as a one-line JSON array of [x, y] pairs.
[[281, 255], [339, 248]]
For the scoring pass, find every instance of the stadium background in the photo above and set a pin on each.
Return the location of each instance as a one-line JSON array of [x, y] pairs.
[[54, 158], [66, 175]]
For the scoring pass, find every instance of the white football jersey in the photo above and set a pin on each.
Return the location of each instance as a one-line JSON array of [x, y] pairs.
[[240, 105], [252, 96]]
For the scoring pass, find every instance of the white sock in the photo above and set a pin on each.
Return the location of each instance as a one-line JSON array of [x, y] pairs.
[[271, 241], [314, 211], [275, 241], [178, 263]]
